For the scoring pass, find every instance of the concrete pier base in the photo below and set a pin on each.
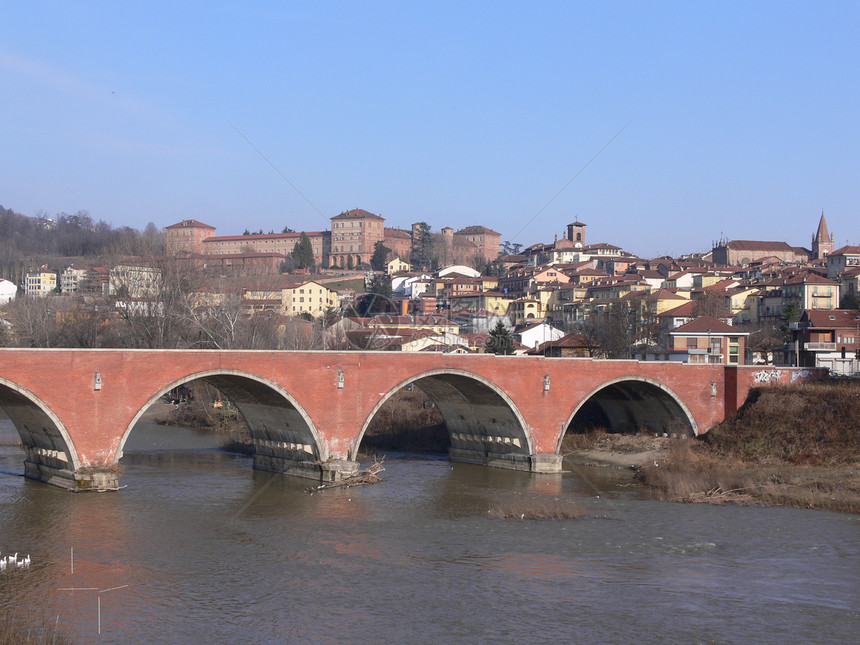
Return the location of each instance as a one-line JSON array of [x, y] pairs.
[[90, 478], [539, 463], [329, 471], [545, 462]]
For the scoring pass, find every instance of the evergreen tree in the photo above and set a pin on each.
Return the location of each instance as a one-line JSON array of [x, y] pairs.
[[380, 256], [349, 262], [378, 298], [791, 312], [422, 248], [850, 301], [500, 341], [303, 253]]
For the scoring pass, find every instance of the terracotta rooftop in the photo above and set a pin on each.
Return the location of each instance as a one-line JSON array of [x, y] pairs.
[[476, 230], [757, 245], [824, 318], [357, 213], [190, 223], [705, 325]]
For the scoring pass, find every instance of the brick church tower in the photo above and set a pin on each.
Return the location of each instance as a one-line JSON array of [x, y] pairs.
[[822, 241]]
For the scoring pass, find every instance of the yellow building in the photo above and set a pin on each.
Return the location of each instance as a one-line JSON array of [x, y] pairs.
[[41, 283], [308, 298], [396, 266]]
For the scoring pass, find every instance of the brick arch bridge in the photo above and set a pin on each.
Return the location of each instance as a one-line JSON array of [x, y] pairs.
[[308, 411]]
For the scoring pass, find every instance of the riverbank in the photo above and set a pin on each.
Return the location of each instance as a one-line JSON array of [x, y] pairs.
[[790, 446]]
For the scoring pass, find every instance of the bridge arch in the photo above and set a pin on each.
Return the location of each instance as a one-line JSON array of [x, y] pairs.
[[282, 431], [484, 424], [632, 403], [50, 452]]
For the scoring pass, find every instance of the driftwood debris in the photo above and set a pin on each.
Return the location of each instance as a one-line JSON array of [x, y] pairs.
[[369, 475]]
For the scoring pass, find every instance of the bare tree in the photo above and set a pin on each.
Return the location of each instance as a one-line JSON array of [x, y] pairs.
[[33, 322], [711, 302]]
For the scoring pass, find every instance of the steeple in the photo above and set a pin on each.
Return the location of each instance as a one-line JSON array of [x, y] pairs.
[[822, 241]]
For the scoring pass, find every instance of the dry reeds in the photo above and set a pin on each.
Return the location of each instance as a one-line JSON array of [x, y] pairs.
[[791, 445], [23, 622]]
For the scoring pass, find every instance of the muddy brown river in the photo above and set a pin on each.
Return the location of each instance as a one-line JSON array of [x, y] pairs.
[[199, 548]]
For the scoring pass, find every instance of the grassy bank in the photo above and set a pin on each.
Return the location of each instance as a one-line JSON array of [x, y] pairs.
[[793, 445]]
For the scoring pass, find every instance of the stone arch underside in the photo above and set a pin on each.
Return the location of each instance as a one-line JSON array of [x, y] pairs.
[[49, 454], [483, 426], [632, 406], [284, 438]]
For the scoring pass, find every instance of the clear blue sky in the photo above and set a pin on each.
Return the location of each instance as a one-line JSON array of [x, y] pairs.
[[742, 118]]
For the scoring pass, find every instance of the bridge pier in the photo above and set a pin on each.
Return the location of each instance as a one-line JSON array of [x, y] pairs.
[[538, 463], [51, 467], [328, 471]]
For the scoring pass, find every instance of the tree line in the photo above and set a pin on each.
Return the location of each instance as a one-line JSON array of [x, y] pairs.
[[26, 242]]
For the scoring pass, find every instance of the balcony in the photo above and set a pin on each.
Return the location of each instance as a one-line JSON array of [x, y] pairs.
[[820, 347]]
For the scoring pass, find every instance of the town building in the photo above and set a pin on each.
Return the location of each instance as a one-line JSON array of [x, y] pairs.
[[279, 243], [842, 260], [743, 252], [71, 278], [828, 339], [40, 283], [708, 340], [399, 241], [187, 236], [134, 281]]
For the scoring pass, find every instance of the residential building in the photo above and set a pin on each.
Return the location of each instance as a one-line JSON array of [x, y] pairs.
[[308, 298], [708, 340], [828, 339], [436, 324], [40, 283], [532, 335], [134, 281], [842, 260], [71, 278], [396, 265], [523, 309], [570, 346], [812, 291]]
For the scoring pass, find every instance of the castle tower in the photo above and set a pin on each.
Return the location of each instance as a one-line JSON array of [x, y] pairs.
[[187, 236], [822, 241], [576, 233]]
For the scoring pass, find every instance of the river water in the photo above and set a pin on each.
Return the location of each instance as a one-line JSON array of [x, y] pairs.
[[199, 548]]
